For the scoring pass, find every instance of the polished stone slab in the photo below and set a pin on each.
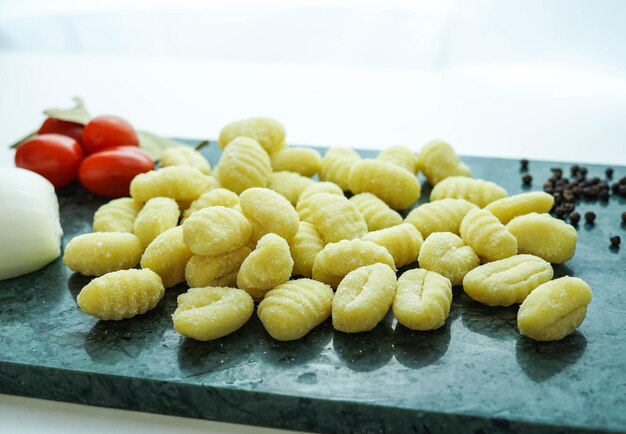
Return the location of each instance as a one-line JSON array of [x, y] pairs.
[[476, 374]]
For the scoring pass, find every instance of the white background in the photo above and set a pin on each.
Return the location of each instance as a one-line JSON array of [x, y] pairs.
[[541, 79]]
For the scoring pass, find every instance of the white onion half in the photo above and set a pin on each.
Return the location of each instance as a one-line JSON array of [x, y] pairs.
[[30, 228]]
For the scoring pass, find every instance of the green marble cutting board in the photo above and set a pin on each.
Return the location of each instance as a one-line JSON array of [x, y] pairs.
[[476, 374]]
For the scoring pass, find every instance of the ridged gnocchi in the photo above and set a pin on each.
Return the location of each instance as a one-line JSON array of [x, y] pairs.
[[167, 255], [157, 215], [519, 204], [376, 213], [400, 156], [289, 184], [438, 161], [446, 253], [321, 187], [443, 215], [177, 182], [304, 247], [294, 308], [117, 215], [507, 281], [489, 238], [121, 294], [218, 270], [269, 133], [185, 156], [215, 197], [422, 300], [99, 253], [477, 191], [336, 166], [305, 161], [215, 230], [244, 164], [338, 259], [210, 313], [544, 236], [268, 212], [397, 188], [402, 241], [363, 298], [554, 309], [335, 217]]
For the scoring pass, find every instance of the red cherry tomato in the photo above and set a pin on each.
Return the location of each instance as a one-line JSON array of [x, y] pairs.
[[109, 172], [65, 128], [108, 131], [53, 156]]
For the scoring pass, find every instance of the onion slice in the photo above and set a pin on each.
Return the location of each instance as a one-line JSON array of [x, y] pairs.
[[30, 228]]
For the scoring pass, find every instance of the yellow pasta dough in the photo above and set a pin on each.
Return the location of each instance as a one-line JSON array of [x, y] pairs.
[[376, 213], [304, 247], [269, 265], [269, 133], [544, 236], [167, 255], [489, 238], [210, 313], [121, 294], [244, 164], [218, 270], [438, 161], [177, 182], [158, 215], [305, 161], [554, 309], [477, 191], [443, 215], [268, 212], [338, 259], [216, 197], [363, 298], [117, 215], [289, 184], [336, 166], [446, 253], [507, 281], [510, 207], [294, 308], [400, 156], [99, 253], [185, 156], [397, 188], [321, 187], [335, 217], [215, 230], [402, 241]]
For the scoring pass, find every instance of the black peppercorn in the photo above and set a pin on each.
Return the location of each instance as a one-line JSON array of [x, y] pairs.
[[523, 163], [574, 169], [590, 217], [574, 218], [583, 171], [609, 172], [615, 188], [615, 241], [604, 195], [624, 216], [527, 179], [621, 190]]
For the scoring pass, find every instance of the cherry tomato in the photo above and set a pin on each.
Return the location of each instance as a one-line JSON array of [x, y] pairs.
[[65, 128], [53, 156], [109, 172], [108, 131]]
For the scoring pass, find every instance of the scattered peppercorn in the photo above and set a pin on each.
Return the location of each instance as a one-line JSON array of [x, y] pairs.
[[590, 217], [624, 216], [615, 241], [524, 164], [527, 179], [604, 195], [574, 169], [609, 172], [574, 218], [583, 171]]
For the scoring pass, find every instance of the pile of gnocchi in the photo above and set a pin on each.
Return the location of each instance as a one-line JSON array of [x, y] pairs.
[[259, 228]]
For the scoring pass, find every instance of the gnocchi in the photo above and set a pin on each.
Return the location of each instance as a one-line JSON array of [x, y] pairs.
[[321, 187], [99, 253], [443, 215], [268, 211], [477, 191], [438, 161], [167, 255], [177, 182], [400, 156], [363, 298], [269, 133], [376, 213], [289, 184], [216, 197], [489, 238], [218, 270], [244, 164], [335, 217], [510, 207], [305, 161], [445, 253], [554, 309], [185, 156], [336, 166], [158, 215], [216, 230], [294, 308], [117, 215], [304, 247], [402, 241]]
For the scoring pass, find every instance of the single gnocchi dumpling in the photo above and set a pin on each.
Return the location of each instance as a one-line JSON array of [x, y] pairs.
[[185, 156], [376, 213], [117, 215], [554, 309], [402, 241], [320, 187], [304, 247], [437, 160], [305, 161], [510, 207], [443, 215], [289, 184], [167, 255], [121, 294], [269, 133], [294, 308], [446, 253], [422, 300], [477, 191], [209, 313], [544, 236], [244, 164], [397, 188], [338, 259], [215, 197], [400, 156], [158, 215], [177, 182], [334, 216], [336, 166], [218, 270], [507, 281], [99, 253], [363, 298], [216, 230], [489, 238], [268, 212], [269, 265]]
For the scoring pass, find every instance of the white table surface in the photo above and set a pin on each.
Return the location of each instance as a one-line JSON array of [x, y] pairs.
[[542, 104]]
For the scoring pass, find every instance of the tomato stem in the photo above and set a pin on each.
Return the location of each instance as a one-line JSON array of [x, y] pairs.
[[23, 139], [201, 145]]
